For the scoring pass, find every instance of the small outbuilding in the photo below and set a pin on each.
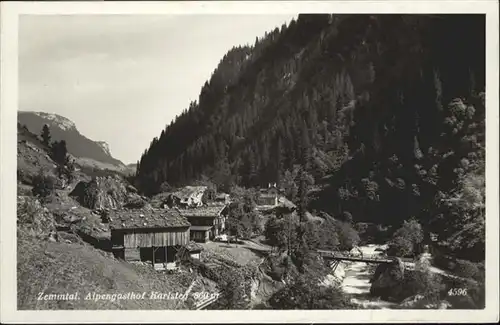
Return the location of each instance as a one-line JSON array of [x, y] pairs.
[[192, 250]]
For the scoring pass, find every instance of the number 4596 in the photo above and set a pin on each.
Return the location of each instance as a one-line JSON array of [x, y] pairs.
[[457, 292]]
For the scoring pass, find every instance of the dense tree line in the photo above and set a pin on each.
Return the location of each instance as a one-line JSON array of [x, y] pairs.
[[383, 113]]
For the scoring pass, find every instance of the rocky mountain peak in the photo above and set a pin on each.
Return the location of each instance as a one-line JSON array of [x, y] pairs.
[[61, 121], [105, 146]]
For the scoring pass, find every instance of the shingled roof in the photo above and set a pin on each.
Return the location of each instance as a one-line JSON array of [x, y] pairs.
[[194, 247], [134, 219], [204, 211], [190, 191]]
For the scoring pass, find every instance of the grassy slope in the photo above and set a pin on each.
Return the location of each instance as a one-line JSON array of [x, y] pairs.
[[32, 156], [52, 267]]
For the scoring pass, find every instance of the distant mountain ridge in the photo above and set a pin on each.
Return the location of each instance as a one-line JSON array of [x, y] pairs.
[[105, 146], [61, 128]]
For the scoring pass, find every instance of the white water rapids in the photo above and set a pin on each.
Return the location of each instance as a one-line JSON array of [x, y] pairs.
[[355, 280]]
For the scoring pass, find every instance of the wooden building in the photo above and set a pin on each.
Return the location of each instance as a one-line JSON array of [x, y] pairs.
[[265, 199], [188, 197], [191, 250], [206, 222], [152, 235], [268, 197]]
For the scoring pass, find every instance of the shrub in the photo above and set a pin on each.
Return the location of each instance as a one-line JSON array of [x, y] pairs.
[[277, 271], [371, 233], [280, 267], [421, 282], [468, 270], [24, 177], [165, 187], [279, 232], [66, 172], [34, 217], [405, 240], [43, 185], [463, 268], [305, 293], [347, 217], [328, 237], [400, 246], [347, 235], [134, 202], [232, 281], [232, 284]]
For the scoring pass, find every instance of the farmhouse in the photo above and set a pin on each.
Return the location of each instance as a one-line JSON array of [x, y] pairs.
[[188, 196], [268, 197], [152, 235], [206, 222]]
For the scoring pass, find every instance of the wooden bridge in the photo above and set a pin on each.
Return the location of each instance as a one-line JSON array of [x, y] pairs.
[[338, 256]]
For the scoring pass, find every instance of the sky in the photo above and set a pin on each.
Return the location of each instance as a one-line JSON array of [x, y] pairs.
[[123, 78]]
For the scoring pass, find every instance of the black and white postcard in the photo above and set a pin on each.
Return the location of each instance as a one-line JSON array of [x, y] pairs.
[[278, 161]]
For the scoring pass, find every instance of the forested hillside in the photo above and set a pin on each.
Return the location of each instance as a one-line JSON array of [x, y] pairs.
[[384, 112]]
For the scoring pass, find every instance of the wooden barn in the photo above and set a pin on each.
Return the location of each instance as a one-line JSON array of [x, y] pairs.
[[153, 235], [206, 222]]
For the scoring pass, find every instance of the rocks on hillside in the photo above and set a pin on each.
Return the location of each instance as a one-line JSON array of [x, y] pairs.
[[107, 193], [66, 217], [131, 189], [419, 302], [34, 218], [161, 200], [386, 282], [135, 201], [31, 161]]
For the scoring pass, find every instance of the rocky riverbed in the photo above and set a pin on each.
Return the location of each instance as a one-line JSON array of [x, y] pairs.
[[355, 280]]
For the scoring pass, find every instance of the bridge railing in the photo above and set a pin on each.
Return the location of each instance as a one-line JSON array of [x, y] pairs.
[[340, 255]]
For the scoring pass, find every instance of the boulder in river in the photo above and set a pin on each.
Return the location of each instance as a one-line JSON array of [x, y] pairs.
[[386, 282]]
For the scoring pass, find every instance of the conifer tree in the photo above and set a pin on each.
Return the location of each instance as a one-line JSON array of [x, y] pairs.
[[46, 135], [60, 152]]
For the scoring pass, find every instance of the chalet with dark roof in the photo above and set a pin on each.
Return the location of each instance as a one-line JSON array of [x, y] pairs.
[[207, 221], [148, 235]]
